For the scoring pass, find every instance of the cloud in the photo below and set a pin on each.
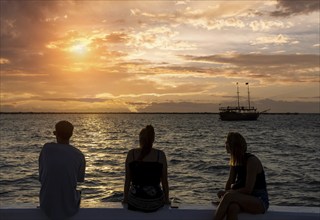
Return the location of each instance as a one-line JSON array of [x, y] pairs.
[[281, 68], [273, 105], [180, 107], [86, 100], [275, 39], [4, 61], [262, 25], [219, 15], [30, 102], [308, 60], [24, 32], [17, 97], [80, 54], [117, 37], [22, 20], [218, 24], [295, 7], [161, 37], [288, 106]]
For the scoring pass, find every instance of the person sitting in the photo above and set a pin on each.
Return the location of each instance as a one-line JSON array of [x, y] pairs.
[[61, 166], [146, 168], [246, 188]]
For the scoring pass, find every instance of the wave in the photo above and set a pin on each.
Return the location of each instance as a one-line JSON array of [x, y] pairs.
[[194, 146]]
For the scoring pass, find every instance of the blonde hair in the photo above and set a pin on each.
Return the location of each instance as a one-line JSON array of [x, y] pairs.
[[238, 148]]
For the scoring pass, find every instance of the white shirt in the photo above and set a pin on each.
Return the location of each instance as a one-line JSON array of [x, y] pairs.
[[61, 166]]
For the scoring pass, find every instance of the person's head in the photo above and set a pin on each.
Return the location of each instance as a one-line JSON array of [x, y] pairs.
[[63, 131], [236, 145], [146, 139]]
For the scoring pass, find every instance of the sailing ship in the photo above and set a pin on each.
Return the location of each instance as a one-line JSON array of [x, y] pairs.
[[239, 113]]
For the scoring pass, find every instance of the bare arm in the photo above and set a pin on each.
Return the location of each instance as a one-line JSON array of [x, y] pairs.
[[127, 180], [253, 167], [231, 179], [164, 179]]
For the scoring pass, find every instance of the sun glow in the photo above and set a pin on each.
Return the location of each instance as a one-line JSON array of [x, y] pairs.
[[79, 48]]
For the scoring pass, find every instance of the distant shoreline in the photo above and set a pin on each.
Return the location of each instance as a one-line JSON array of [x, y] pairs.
[[199, 113]]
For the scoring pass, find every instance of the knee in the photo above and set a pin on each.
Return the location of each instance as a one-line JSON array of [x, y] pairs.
[[228, 197], [233, 209]]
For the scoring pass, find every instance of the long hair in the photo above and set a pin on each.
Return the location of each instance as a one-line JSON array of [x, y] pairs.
[[238, 148], [146, 139]]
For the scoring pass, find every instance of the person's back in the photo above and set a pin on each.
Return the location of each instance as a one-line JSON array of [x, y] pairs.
[[146, 172], [61, 166], [146, 193]]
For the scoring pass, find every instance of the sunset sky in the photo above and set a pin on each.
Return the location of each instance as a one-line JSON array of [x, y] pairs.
[[159, 56]]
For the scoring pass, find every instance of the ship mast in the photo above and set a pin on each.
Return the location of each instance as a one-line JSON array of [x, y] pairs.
[[248, 95], [238, 96]]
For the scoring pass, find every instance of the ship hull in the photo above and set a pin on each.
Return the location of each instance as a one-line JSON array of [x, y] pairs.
[[239, 116]]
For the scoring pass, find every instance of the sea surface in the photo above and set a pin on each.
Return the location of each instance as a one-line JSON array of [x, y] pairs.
[[287, 145]]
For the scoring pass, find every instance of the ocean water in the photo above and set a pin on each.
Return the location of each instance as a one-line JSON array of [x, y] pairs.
[[287, 145]]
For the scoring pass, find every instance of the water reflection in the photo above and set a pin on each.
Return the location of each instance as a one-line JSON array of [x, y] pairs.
[[194, 145]]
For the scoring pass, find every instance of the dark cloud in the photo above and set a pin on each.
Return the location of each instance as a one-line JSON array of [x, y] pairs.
[[295, 7], [137, 103], [271, 68], [273, 105], [23, 15], [23, 25], [181, 107], [288, 106], [309, 60]]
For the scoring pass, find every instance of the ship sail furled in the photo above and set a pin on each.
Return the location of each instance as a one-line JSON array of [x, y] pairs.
[[238, 113]]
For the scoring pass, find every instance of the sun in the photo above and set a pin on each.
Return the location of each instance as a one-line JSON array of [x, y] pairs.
[[79, 48]]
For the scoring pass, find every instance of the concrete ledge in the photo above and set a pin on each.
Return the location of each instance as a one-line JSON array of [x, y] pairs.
[[115, 211]]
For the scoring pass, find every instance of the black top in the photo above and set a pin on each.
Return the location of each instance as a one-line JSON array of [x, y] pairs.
[[241, 174], [144, 173]]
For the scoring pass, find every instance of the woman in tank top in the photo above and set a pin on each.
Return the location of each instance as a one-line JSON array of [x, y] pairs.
[[246, 188], [146, 181]]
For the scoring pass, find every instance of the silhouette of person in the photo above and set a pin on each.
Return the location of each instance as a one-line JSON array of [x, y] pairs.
[[246, 188], [61, 166], [146, 168]]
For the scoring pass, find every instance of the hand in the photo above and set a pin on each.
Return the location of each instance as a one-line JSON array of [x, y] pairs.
[[166, 201]]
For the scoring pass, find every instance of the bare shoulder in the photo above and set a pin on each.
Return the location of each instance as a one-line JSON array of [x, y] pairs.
[[162, 156], [130, 154], [253, 157], [161, 152], [255, 162]]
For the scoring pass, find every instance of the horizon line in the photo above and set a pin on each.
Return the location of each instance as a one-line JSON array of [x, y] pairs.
[[213, 113]]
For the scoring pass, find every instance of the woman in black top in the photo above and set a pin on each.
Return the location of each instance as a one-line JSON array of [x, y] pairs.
[[146, 168], [246, 188]]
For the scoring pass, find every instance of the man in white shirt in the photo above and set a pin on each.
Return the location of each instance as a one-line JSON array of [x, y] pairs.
[[61, 166]]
